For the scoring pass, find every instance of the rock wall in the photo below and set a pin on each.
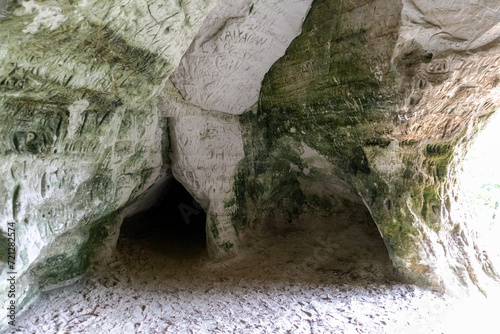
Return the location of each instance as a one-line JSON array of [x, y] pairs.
[[370, 110], [389, 92], [82, 136], [237, 44], [206, 148]]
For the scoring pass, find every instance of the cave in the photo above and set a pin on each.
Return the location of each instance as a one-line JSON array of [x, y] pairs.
[[343, 243], [174, 227], [330, 147]]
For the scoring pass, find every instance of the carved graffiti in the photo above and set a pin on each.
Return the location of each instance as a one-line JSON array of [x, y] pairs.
[[439, 66], [205, 159], [232, 52]]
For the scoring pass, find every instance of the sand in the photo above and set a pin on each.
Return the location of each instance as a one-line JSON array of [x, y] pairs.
[[307, 280]]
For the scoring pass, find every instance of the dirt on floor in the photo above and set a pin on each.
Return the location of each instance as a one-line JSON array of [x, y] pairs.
[[320, 278]]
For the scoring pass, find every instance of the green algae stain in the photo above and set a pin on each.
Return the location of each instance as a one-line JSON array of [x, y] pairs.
[[226, 246], [64, 266], [214, 223], [229, 203]]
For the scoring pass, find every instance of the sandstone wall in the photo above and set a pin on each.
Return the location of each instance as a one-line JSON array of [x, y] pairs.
[[82, 138], [370, 109], [390, 92]]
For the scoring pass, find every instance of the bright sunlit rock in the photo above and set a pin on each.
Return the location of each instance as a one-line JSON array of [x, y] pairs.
[[480, 182]]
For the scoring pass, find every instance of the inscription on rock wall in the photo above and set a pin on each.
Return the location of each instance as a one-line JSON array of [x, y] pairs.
[[32, 130], [224, 66], [205, 156], [447, 93], [68, 84], [162, 27], [451, 25]]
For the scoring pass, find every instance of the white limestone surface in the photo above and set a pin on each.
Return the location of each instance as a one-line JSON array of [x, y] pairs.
[[50, 17], [205, 155], [458, 25], [152, 25], [66, 164], [235, 47]]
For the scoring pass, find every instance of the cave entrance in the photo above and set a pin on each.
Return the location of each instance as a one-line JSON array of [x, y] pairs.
[[479, 180], [334, 240], [174, 228]]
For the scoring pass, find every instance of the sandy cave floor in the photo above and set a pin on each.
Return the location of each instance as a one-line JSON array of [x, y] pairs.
[[308, 280]]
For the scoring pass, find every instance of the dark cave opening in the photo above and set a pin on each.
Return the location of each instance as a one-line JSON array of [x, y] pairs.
[[175, 226], [342, 246]]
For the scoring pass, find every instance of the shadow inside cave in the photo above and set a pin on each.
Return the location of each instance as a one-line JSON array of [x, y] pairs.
[[342, 248], [174, 228], [170, 240]]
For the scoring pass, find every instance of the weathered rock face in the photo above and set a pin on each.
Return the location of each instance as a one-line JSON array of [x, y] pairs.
[[370, 110], [391, 101], [82, 137], [236, 46], [205, 150]]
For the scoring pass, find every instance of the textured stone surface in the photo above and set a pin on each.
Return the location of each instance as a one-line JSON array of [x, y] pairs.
[[82, 139], [370, 111], [377, 94], [451, 26], [206, 148], [237, 44]]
